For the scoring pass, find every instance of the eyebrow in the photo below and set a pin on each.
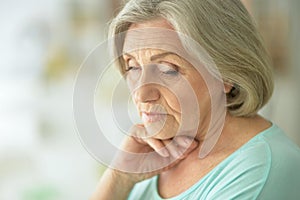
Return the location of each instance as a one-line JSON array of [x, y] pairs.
[[162, 55], [155, 57]]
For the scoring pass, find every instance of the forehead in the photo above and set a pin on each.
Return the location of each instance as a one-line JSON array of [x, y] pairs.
[[155, 34], [153, 54]]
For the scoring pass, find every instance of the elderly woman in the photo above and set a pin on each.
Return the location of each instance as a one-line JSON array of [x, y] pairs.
[[198, 149]]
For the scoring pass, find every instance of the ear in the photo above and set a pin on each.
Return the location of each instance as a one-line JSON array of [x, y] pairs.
[[227, 87]]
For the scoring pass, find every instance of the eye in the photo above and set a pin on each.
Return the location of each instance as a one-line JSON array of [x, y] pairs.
[[168, 69], [132, 68], [131, 65]]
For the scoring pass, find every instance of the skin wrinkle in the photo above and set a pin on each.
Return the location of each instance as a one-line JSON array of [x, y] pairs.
[[142, 57], [161, 95], [210, 125], [171, 106], [238, 127]]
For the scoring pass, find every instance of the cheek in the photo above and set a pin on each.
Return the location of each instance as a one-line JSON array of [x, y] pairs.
[[174, 104], [191, 99], [131, 87], [184, 106], [203, 98], [181, 99], [171, 100], [130, 84]]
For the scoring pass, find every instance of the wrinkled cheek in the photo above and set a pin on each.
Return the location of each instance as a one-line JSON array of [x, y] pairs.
[[190, 112], [174, 104], [187, 102]]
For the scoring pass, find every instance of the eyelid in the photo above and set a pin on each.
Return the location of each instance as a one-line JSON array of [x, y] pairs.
[[171, 65], [128, 68], [129, 65]]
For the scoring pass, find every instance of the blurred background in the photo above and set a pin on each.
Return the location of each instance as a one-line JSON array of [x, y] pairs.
[[43, 43]]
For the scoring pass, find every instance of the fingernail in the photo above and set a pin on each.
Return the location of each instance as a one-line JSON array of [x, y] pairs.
[[185, 141], [178, 153], [164, 152]]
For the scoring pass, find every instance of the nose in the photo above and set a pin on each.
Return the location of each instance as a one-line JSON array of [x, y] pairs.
[[145, 88], [146, 93]]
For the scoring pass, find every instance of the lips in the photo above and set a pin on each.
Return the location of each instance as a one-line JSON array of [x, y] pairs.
[[152, 117]]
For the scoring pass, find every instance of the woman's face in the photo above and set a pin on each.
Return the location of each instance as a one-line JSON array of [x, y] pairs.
[[159, 82]]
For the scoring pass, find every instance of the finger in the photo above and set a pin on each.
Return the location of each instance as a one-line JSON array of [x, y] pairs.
[[158, 146], [180, 146], [173, 148], [188, 143]]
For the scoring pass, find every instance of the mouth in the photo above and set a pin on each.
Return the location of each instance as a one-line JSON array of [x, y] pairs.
[[153, 117]]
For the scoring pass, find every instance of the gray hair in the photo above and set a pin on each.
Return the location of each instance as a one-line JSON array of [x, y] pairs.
[[226, 31]]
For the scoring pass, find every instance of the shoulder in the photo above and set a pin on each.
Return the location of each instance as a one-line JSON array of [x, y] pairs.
[[284, 178], [261, 169], [285, 154], [243, 174]]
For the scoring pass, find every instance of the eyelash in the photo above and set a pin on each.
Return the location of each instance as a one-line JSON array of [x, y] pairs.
[[172, 72], [131, 68], [168, 72]]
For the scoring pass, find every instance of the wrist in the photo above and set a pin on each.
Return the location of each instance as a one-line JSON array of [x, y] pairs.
[[121, 178], [113, 185]]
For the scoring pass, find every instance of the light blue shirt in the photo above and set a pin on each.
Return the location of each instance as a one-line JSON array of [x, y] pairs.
[[267, 167]]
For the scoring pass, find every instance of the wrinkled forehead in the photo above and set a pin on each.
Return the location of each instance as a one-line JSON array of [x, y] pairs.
[[153, 38], [170, 41]]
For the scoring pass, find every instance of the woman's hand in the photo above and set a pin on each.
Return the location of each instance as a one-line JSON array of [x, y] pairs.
[[142, 158], [139, 159]]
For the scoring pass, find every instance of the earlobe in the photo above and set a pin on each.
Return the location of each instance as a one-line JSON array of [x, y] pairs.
[[228, 87]]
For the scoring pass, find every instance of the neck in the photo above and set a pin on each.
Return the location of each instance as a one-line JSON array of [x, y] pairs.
[[235, 132]]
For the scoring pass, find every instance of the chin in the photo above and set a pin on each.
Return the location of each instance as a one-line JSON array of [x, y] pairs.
[[162, 133]]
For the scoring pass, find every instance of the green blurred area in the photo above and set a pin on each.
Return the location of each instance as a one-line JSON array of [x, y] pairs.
[[41, 156], [42, 192]]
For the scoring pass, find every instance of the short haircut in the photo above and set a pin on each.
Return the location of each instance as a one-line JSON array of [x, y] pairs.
[[225, 29]]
